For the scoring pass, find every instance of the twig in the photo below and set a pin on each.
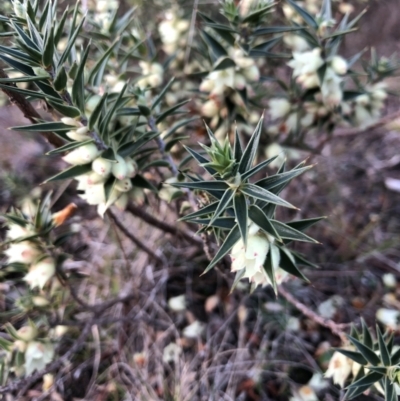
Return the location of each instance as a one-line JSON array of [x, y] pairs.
[[335, 328], [149, 219], [135, 240], [191, 32], [29, 111], [27, 382]]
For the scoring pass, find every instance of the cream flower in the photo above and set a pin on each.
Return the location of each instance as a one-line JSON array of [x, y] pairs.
[[339, 368], [279, 107], [16, 231], [331, 90], [22, 252], [306, 63], [40, 273], [82, 155], [37, 356]]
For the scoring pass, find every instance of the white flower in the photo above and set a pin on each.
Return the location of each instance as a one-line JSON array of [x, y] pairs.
[[70, 121], [194, 330], [76, 137], [153, 74], [123, 185], [131, 167], [389, 317], [94, 194], [331, 90], [339, 368], [339, 65], [171, 353], [252, 258], [178, 303], [102, 166], [16, 231], [27, 333], [37, 356], [22, 252], [279, 107], [220, 80], [251, 73], [306, 63], [119, 169], [40, 273], [210, 108], [389, 279], [296, 42], [82, 155]]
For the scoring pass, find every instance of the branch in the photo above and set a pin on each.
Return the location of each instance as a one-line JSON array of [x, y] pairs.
[[29, 111], [135, 240], [335, 328], [149, 219]]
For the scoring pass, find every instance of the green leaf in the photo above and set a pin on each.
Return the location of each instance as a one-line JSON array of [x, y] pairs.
[[96, 74], [224, 63], [48, 52], [395, 359], [288, 264], [260, 218], [16, 53], [97, 111], [71, 42], [367, 352], [368, 379], [226, 223], [72, 172], [237, 147], [250, 152], [78, 86], [257, 168], [301, 225], [275, 29], [158, 99], [307, 17], [43, 127], [17, 65], [260, 193], [390, 391], [326, 10], [224, 31], [366, 335], [169, 111], [355, 356], [68, 147], [64, 109], [385, 356], [60, 27], [131, 147], [278, 179], [201, 159], [230, 241], [178, 125], [288, 233], [255, 16], [206, 210], [216, 49], [241, 213], [141, 182], [271, 264], [170, 144], [203, 185], [61, 80]]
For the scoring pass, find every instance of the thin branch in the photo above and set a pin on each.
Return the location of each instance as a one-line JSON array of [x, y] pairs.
[[149, 219], [135, 240], [335, 328], [29, 111]]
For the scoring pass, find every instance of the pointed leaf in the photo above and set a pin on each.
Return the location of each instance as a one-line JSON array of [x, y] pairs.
[[241, 213], [383, 348], [355, 356], [170, 111], [287, 232], [307, 17], [367, 352], [203, 185], [264, 195], [288, 264], [230, 241], [72, 172], [206, 210], [162, 93], [259, 217], [257, 168], [251, 150], [368, 379], [278, 179]]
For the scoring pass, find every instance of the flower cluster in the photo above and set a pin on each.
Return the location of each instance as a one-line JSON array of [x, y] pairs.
[[172, 30], [41, 266], [93, 182], [153, 74], [36, 353], [250, 259]]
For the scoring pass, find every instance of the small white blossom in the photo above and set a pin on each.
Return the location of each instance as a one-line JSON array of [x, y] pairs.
[[40, 273], [171, 353], [37, 356], [279, 107], [389, 317], [119, 169], [102, 166], [339, 65], [82, 155], [22, 252], [339, 368], [194, 330], [178, 303]]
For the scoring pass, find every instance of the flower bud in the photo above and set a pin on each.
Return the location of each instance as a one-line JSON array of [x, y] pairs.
[[209, 108], [48, 381], [82, 155], [40, 301], [82, 131], [40, 72], [122, 202], [123, 185], [27, 333], [119, 169], [339, 65], [207, 85], [75, 137], [102, 166], [252, 73], [70, 121], [64, 214], [131, 166], [20, 346]]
